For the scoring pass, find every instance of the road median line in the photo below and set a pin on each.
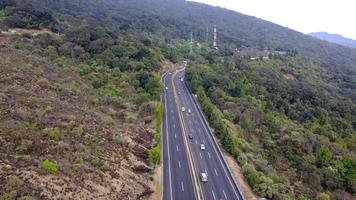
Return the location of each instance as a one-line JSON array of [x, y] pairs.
[[197, 191]]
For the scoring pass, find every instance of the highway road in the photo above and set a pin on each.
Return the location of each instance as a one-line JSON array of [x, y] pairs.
[[221, 184], [177, 179]]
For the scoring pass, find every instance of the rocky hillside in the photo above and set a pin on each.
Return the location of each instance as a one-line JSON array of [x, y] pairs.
[[61, 138]]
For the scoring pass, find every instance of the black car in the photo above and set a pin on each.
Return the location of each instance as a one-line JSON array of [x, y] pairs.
[[190, 136]]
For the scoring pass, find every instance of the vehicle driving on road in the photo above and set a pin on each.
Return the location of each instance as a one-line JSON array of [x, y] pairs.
[[202, 146], [204, 177]]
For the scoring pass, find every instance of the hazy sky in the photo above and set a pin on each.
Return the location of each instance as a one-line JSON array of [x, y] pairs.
[[333, 16]]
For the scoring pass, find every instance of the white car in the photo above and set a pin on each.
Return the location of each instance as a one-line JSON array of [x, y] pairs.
[[166, 88], [181, 79], [202, 146], [204, 177], [183, 109], [189, 111]]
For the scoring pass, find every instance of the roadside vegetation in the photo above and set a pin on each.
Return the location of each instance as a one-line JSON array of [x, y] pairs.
[[80, 116], [286, 120]]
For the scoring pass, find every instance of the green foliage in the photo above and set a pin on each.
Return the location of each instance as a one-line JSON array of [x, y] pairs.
[[324, 156], [49, 167], [96, 161], [53, 133], [154, 155], [106, 120], [13, 183]]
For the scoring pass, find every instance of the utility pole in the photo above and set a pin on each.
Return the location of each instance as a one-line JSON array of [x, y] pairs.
[[215, 43]]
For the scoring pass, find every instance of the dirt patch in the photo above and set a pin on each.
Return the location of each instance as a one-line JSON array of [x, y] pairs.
[[289, 77], [239, 177], [156, 184], [33, 32]]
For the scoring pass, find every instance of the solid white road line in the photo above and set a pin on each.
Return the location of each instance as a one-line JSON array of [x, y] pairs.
[[212, 192], [182, 185], [169, 159], [216, 172], [224, 194], [202, 120]]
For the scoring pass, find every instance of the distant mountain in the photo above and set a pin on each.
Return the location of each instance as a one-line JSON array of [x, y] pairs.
[[335, 38]]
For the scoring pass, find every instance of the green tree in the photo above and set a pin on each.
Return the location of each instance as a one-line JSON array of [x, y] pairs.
[[323, 156]]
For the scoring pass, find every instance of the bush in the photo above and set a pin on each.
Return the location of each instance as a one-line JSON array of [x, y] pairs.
[[49, 167], [14, 183], [106, 120], [53, 133], [323, 196], [96, 161], [154, 155]]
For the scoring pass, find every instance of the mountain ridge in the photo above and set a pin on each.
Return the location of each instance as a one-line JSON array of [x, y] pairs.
[[335, 38]]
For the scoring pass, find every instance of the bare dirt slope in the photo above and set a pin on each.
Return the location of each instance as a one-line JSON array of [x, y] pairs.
[[48, 112]]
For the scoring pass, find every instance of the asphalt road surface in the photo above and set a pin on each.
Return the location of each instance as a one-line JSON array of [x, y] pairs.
[[186, 158]]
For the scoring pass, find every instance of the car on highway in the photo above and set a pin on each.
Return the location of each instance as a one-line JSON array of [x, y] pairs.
[[183, 109], [204, 177], [190, 136], [166, 88], [202, 146], [189, 111]]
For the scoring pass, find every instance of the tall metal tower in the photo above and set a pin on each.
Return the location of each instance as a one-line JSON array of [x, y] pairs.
[[191, 43], [215, 43], [207, 36]]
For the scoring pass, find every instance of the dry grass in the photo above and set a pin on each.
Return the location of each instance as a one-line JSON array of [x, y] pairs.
[[46, 113]]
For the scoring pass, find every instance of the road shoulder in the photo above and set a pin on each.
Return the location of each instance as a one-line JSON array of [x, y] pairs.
[[237, 173]]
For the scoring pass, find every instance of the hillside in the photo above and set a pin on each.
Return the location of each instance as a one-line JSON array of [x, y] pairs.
[[335, 38], [177, 18], [79, 111], [78, 116], [290, 129]]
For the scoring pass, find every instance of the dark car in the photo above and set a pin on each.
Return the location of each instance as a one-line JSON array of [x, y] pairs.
[[190, 136]]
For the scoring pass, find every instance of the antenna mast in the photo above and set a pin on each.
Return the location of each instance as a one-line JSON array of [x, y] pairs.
[[215, 43], [191, 43]]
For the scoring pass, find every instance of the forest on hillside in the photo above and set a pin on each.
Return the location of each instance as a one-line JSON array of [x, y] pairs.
[[289, 120], [290, 128]]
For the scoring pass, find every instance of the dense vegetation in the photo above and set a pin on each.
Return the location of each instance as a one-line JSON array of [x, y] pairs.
[[289, 121], [289, 127], [77, 102]]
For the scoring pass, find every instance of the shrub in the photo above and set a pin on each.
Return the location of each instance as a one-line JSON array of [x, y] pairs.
[[323, 196], [96, 161], [53, 133], [78, 131], [49, 167], [106, 120], [14, 183], [154, 155], [130, 117]]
